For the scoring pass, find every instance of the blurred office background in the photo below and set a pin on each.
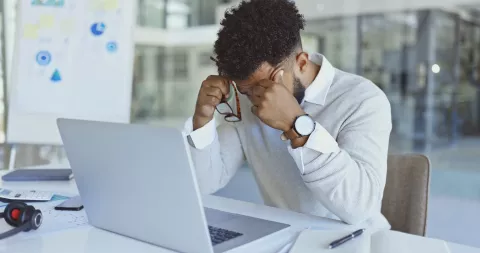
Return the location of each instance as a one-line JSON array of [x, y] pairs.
[[426, 59]]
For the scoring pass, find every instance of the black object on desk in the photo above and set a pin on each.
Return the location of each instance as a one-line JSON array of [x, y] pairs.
[[345, 239], [72, 204], [39, 175]]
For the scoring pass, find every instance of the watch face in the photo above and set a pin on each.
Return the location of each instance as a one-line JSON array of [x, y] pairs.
[[304, 125]]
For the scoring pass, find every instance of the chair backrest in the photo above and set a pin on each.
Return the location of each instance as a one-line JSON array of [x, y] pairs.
[[405, 199]]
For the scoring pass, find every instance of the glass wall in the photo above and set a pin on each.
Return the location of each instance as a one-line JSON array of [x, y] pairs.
[[166, 82], [164, 13], [387, 49], [381, 48], [337, 39], [430, 107], [149, 70], [447, 83], [167, 77], [468, 97], [176, 14]]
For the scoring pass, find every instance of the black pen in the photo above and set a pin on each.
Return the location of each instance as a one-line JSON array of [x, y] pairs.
[[345, 239]]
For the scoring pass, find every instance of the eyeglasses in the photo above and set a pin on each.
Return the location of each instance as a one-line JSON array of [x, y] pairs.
[[226, 110]]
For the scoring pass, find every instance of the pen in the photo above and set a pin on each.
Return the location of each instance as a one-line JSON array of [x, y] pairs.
[[345, 239]]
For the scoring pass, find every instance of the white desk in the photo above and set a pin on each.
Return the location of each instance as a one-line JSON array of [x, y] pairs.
[[89, 239]]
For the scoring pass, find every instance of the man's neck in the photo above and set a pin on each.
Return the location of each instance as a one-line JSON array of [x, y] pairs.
[[311, 73]]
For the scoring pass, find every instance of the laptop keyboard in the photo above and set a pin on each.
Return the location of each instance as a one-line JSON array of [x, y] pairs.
[[219, 235]]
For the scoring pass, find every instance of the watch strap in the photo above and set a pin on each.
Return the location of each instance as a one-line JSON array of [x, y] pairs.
[[292, 134]]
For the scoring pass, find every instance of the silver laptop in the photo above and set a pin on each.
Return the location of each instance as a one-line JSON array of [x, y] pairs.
[[139, 181]]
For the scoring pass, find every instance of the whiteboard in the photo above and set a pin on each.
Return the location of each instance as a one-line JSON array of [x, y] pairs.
[[72, 59]]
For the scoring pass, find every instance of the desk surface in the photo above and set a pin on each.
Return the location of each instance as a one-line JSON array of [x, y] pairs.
[[89, 239]]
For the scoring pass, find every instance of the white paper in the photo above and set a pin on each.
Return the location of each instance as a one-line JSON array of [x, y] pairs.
[[396, 242], [316, 241]]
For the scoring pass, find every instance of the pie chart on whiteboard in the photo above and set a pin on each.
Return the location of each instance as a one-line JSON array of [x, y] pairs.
[[97, 29]]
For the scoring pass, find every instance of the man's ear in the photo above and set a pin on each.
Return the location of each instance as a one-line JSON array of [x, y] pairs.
[[302, 62], [278, 78]]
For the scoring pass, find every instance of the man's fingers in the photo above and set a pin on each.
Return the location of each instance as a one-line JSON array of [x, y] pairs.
[[265, 83], [256, 100], [220, 82], [212, 100], [258, 91], [214, 92]]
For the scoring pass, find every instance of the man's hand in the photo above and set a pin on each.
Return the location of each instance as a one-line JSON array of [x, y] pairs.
[[213, 91], [274, 104]]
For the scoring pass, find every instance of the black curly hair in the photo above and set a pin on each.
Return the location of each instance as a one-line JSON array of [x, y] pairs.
[[254, 32]]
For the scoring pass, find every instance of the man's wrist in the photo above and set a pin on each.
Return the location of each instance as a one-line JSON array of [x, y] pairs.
[[291, 123], [199, 122], [299, 142]]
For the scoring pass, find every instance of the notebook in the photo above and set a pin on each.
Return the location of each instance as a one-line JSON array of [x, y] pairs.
[[380, 242], [39, 175]]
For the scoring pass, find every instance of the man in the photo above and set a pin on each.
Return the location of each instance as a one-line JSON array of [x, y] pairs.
[[315, 137]]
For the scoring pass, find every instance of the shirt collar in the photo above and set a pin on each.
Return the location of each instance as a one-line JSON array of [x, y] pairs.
[[317, 92]]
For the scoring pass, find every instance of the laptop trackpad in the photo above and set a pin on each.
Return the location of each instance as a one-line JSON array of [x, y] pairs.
[[250, 228], [216, 217]]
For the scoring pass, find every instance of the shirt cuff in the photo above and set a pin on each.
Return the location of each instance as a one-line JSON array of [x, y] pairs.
[[319, 142], [202, 137]]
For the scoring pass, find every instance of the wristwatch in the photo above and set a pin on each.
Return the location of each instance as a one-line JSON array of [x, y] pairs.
[[303, 125]]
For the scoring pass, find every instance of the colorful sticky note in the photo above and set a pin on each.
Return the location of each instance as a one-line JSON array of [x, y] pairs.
[[96, 5], [66, 26], [30, 31], [46, 21], [57, 3], [110, 5], [103, 5], [58, 197]]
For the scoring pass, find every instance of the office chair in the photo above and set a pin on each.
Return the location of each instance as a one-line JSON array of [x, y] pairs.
[[405, 199]]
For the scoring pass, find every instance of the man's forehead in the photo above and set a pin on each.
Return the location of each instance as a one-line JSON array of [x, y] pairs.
[[263, 72]]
